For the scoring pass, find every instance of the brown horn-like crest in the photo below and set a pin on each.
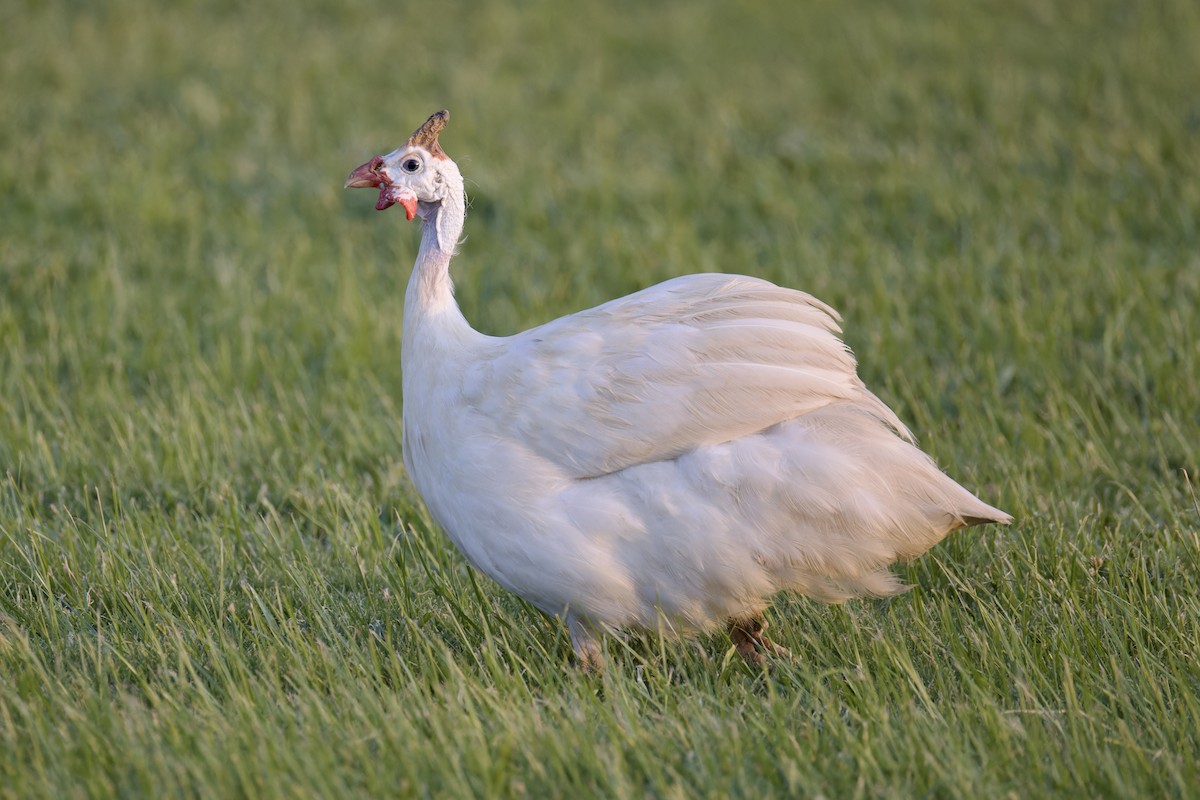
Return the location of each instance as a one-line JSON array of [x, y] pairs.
[[426, 135]]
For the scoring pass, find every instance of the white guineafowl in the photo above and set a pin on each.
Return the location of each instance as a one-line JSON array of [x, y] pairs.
[[671, 459]]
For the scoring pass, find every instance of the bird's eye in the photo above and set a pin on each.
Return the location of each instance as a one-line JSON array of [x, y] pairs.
[[410, 165]]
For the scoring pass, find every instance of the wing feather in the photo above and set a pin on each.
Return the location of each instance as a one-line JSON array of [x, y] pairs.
[[694, 361]]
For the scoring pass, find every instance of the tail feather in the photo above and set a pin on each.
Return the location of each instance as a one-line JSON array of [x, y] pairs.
[[977, 512]]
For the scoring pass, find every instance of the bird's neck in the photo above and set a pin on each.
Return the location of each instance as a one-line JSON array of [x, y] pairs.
[[436, 336], [430, 290]]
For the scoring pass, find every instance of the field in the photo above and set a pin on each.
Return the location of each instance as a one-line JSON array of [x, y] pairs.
[[215, 577]]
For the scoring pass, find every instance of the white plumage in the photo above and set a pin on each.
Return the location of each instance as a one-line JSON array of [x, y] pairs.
[[672, 458]]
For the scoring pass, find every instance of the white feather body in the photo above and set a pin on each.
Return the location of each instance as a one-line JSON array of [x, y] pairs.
[[681, 454]]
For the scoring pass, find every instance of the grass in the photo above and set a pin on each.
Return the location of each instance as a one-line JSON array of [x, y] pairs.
[[215, 578]]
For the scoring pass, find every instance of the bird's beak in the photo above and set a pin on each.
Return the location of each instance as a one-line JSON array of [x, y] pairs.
[[366, 176], [370, 176]]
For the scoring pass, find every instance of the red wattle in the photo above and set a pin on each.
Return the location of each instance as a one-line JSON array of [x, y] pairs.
[[385, 200]]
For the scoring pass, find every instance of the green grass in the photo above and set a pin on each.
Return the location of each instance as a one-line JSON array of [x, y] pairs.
[[215, 578]]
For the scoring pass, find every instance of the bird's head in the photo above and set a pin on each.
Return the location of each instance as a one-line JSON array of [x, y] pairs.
[[413, 175]]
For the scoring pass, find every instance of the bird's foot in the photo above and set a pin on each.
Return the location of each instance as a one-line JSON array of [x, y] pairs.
[[586, 644], [749, 637]]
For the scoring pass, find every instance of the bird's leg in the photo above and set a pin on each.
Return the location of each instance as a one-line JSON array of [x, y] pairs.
[[587, 645], [749, 637]]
